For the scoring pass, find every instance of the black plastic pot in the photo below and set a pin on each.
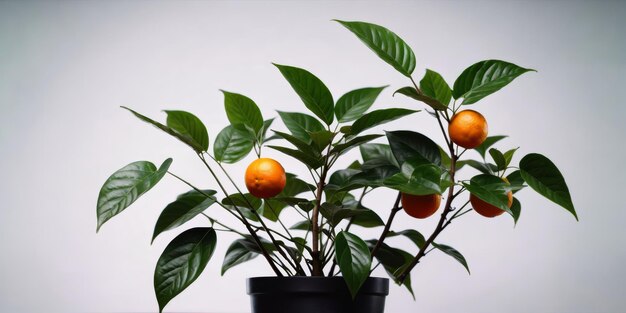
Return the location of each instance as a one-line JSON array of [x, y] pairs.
[[315, 295]]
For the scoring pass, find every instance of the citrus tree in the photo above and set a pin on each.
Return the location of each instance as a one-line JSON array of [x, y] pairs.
[[330, 201]]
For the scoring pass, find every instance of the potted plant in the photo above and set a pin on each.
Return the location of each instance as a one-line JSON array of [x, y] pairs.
[[319, 262]]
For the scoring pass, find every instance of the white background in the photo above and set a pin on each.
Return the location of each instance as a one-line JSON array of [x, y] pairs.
[[66, 67]]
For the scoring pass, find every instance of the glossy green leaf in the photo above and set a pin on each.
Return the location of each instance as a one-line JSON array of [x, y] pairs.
[[368, 218], [188, 125], [309, 160], [490, 141], [417, 180], [498, 158], [454, 254], [374, 177], [182, 261], [231, 145], [315, 95], [516, 210], [300, 124], [377, 154], [491, 189], [408, 145], [242, 110], [485, 78], [416, 237], [355, 103], [186, 207], [353, 143], [353, 258], [246, 203], [125, 186], [411, 92], [303, 225], [387, 45], [341, 179], [434, 86], [516, 180], [266, 126], [393, 259], [485, 168], [334, 214], [243, 250], [546, 179], [378, 117], [301, 145], [321, 139], [186, 138], [508, 156]]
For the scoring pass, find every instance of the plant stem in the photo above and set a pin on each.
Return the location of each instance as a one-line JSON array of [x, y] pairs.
[[243, 220], [265, 228], [448, 208], [317, 261], [383, 235]]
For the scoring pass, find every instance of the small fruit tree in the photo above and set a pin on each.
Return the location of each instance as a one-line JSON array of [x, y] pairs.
[[330, 201]]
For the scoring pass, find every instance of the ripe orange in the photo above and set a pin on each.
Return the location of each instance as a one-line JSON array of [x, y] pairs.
[[468, 129], [487, 210], [420, 206], [265, 178]]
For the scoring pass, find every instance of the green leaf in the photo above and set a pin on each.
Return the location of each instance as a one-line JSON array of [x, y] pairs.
[[485, 78], [353, 258], [321, 139], [266, 126], [408, 145], [374, 177], [247, 204], [412, 93], [187, 124], [393, 259], [491, 189], [516, 180], [508, 156], [312, 162], [186, 207], [367, 218], [378, 117], [498, 157], [336, 213], [231, 145], [125, 186], [417, 180], [453, 253], [182, 137], [416, 237], [376, 154], [516, 210], [303, 225], [485, 168], [340, 179], [489, 141], [243, 250], [434, 86], [387, 45], [273, 207], [300, 124], [315, 95], [242, 110], [356, 102], [546, 179], [182, 261], [301, 145], [355, 142]]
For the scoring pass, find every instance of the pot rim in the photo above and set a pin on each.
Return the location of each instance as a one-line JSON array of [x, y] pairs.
[[313, 284]]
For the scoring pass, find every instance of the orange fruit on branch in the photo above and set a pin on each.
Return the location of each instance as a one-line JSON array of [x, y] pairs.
[[488, 210], [265, 178], [420, 206], [468, 129]]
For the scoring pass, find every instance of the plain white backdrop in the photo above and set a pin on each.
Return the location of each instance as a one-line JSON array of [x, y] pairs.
[[66, 67]]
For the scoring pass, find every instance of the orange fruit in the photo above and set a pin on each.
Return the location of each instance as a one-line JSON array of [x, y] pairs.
[[420, 206], [468, 129], [265, 178], [487, 210]]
